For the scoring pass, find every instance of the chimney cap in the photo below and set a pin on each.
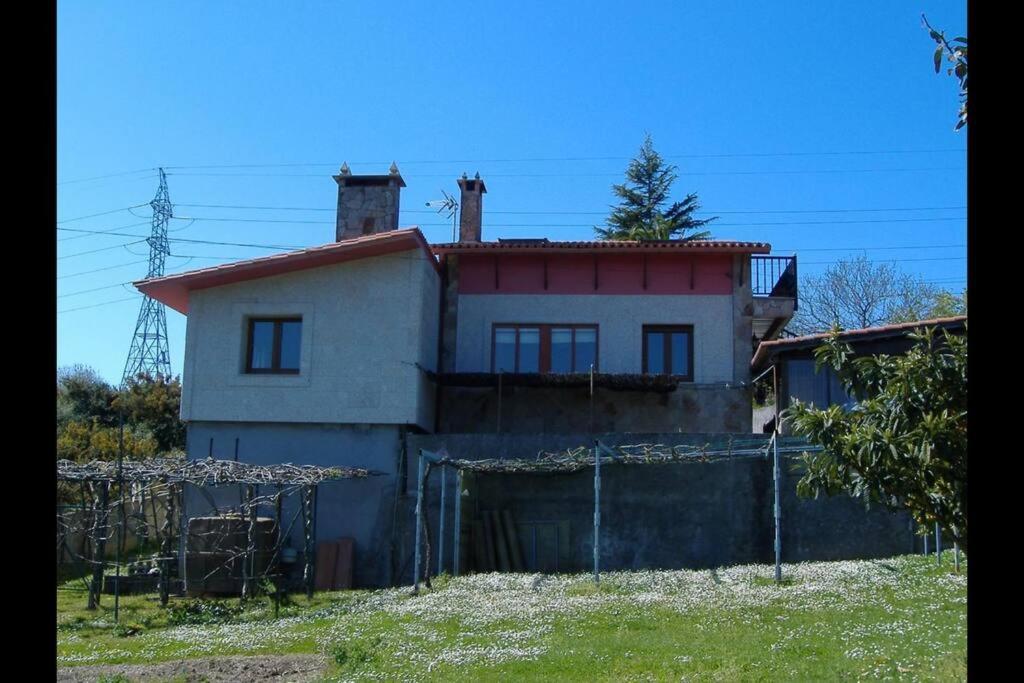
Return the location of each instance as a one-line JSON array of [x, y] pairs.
[[474, 185]]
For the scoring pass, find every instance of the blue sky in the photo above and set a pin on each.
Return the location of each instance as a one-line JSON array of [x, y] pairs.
[[818, 127]]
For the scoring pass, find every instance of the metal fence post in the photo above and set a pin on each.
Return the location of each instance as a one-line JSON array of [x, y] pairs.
[[457, 531], [444, 509], [938, 545], [778, 509], [419, 525], [597, 514]]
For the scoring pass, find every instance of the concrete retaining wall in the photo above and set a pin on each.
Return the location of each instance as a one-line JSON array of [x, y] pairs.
[[664, 516]]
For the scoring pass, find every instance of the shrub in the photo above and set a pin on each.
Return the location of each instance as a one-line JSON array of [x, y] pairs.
[[202, 612]]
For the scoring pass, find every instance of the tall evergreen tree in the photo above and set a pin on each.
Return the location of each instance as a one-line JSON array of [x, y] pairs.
[[641, 214]]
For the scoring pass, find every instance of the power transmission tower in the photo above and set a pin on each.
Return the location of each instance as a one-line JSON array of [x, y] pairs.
[[149, 353]]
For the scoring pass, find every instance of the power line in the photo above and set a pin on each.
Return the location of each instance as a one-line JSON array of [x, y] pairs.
[[600, 175], [105, 303], [583, 213], [847, 248], [97, 270], [281, 246], [94, 289], [100, 232], [569, 225], [183, 239], [910, 246], [103, 213], [102, 177], [590, 158], [93, 251], [895, 260], [710, 225]]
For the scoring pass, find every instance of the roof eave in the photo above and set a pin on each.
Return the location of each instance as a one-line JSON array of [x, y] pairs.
[[173, 290], [768, 350]]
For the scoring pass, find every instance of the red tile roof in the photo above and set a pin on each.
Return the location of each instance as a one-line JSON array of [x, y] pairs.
[[767, 349], [706, 246], [173, 290]]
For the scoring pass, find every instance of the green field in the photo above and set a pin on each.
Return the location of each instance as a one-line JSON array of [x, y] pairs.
[[903, 618]]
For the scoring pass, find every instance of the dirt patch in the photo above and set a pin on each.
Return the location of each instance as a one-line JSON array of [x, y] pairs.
[[272, 669]]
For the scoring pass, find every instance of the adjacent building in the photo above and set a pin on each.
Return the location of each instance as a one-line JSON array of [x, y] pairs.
[[799, 376]]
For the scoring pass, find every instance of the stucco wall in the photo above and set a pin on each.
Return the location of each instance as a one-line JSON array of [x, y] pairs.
[[620, 319], [362, 509], [366, 325]]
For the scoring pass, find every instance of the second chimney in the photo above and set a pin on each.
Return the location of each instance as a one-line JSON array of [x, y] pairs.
[[471, 205]]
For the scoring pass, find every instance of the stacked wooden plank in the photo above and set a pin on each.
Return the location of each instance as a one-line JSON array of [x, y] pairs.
[[496, 543]]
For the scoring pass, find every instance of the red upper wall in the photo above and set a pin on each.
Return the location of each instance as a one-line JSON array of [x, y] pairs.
[[561, 273]]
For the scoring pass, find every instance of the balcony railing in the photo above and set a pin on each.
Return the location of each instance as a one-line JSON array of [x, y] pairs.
[[774, 276]]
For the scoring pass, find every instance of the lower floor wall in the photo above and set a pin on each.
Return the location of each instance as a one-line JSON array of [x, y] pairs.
[[551, 410], [652, 516], [361, 509]]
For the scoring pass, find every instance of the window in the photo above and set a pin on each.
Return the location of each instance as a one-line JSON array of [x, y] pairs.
[[819, 386], [668, 350], [544, 348], [274, 345]]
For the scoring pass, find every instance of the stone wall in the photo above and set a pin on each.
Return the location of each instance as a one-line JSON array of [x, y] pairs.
[[366, 209], [551, 410]]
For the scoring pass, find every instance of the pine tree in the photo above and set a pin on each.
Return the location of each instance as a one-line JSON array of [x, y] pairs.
[[640, 215]]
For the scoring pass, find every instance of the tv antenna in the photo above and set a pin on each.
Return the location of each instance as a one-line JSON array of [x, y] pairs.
[[451, 206]]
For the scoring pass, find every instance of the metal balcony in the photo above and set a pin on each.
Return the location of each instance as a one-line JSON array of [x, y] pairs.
[[774, 276]]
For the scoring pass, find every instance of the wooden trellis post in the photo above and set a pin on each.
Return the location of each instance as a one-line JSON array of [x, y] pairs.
[[307, 523], [249, 559], [99, 543], [166, 548], [279, 579]]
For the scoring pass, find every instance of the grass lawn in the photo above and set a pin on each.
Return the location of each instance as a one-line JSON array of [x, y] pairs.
[[903, 618]]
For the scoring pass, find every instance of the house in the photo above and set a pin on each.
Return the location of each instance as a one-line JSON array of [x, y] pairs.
[[798, 376], [365, 350]]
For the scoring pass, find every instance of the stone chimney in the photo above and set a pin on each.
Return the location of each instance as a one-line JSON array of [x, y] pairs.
[[471, 205], [367, 204]]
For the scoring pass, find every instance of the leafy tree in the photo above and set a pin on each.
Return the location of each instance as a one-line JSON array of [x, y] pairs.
[[84, 440], [155, 405], [89, 412], [948, 304], [955, 53], [942, 304], [858, 293], [641, 215], [904, 444], [82, 394]]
